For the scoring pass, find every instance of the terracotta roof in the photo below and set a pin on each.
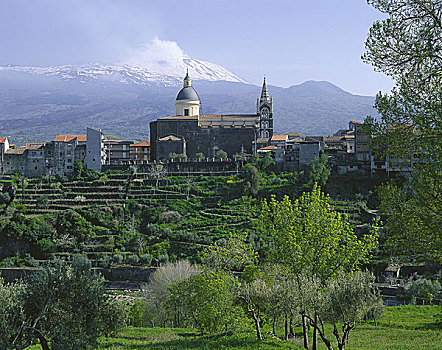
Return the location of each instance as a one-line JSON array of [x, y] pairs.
[[2, 139], [291, 133], [141, 144], [268, 148], [34, 145], [352, 121], [67, 138], [280, 137]]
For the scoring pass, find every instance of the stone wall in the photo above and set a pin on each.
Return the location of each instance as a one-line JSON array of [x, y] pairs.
[[207, 140]]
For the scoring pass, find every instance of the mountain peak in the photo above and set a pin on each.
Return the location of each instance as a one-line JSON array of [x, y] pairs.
[[164, 74]]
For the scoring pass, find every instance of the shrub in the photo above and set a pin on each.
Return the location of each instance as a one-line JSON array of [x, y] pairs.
[[105, 261], [43, 202], [117, 259], [163, 259], [132, 259], [146, 259], [137, 314], [170, 216], [152, 229], [423, 289]]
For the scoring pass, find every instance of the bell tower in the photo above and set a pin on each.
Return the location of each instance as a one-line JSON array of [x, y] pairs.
[[265, 112]]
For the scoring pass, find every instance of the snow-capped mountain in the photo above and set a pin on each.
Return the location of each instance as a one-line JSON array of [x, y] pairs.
[[37, 103], [159, 74]]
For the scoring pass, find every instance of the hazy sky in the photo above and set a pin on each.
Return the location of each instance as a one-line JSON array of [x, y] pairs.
[[288, 41]]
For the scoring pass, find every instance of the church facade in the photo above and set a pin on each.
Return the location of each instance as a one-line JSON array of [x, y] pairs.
[[191, 133]]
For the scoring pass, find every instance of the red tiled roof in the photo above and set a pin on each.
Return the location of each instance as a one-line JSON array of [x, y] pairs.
[[2, 139], [268, 148], [352, 121], [141, 144], [280, 137], [67, 138]]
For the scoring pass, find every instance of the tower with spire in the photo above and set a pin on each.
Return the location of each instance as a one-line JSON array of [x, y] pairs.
[[265, 112]]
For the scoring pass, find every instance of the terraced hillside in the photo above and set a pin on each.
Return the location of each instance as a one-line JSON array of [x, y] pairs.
[[137, 220]]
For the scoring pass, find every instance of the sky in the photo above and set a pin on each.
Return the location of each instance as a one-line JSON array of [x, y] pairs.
[[288, 41]]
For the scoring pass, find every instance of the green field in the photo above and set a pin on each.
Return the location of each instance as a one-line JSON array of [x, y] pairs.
[[401, 328]]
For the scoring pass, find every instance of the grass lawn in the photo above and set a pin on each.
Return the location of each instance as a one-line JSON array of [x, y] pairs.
[[401, 328]]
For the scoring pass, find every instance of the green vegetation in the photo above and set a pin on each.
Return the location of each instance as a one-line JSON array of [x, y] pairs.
[[63, 305], [407, 46], [142, 219], [403, 327]]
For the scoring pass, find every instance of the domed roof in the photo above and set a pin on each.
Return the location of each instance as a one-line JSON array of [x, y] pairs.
[[187, 93]]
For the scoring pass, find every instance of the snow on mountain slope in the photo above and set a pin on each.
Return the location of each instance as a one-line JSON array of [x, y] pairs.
[[164, 74]]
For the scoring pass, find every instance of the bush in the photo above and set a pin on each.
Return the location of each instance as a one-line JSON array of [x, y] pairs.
[[423, 289], [146, 259], [137, 314], [105, 261], [4, 198], [163, 259], [43, 202], [117, 259], [152, 229], [132, 259]]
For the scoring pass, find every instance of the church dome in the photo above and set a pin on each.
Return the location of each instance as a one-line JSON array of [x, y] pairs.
[[188, 93]]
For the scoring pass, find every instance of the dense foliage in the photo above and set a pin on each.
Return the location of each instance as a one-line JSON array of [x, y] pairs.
[[63, 306], [407, 46]]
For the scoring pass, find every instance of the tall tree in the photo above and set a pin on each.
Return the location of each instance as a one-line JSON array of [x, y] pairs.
[[407, 46], [311, 239], [308, 236]]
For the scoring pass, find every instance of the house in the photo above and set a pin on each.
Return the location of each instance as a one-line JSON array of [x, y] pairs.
[[117, 151], [140, 152]]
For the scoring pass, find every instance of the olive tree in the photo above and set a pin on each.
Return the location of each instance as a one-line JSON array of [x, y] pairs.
[[63, 306], [11, 313], [347, 300]]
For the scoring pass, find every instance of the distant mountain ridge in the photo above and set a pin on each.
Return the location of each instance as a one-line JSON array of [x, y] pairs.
[[125, 74], [37, 103]]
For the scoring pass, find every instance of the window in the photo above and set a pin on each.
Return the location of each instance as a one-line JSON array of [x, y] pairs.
[[186, 111]]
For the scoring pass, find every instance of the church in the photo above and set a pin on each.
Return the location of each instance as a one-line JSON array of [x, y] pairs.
[[190, 133]]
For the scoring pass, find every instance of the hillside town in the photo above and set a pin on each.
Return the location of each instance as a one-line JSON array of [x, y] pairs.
[[189, 136]]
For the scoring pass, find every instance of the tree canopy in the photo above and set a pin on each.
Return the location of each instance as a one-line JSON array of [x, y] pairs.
[[308, 236], [407, 46]]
